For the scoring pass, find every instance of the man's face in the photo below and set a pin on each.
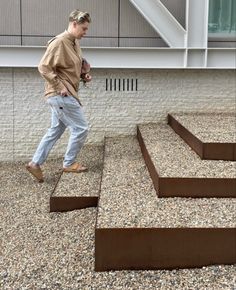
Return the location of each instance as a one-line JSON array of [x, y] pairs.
[[80, 29]]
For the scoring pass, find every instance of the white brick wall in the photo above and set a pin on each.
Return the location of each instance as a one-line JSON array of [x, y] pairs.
[[25, 117]]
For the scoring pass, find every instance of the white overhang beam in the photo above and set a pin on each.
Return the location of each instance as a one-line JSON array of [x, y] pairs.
[[102, 57], [162, 21]]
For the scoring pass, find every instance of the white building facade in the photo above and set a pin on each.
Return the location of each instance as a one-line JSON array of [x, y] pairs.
[[148, 58]]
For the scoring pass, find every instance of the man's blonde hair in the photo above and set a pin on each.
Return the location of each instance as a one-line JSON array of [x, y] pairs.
[[79, 16]]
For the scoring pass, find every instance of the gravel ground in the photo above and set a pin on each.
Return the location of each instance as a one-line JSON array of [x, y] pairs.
[[86, 183], [132, 189], [211, 127], [174, 158], [55, 251]]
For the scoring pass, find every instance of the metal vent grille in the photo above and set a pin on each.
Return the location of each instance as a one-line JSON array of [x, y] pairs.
[[121, 85]]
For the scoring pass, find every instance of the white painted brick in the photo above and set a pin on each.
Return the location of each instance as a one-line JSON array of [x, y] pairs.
[[6, 114], [109, 113]]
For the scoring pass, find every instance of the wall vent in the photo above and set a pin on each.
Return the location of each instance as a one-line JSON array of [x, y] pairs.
[[122, 85]]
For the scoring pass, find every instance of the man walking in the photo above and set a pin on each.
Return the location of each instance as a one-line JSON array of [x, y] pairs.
[[61, 68]]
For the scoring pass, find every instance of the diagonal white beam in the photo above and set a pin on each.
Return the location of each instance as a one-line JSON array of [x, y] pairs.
[[162, 21]]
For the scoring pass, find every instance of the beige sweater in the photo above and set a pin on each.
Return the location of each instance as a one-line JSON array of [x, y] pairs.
[[61, 65]]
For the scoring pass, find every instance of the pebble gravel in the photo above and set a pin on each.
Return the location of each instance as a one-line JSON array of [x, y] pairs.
[[172, 157], [85, 183], [210, 127], [40, 250], [132, 192]]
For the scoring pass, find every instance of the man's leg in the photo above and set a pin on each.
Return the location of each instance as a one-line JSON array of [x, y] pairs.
[[78, 126], [67, 112], [53, 134]]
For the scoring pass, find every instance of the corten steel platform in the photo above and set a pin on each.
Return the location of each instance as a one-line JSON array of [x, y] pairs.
[[163, 248], [209, 151], [79, 190], [129, 245], [183, 186], [68, 203], [61, 203]]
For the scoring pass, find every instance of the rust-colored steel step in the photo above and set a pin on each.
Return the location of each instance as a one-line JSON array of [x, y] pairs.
[[177, 171], [163, 248], [68, 203], [80, 190], [137, 230], [201, 139]]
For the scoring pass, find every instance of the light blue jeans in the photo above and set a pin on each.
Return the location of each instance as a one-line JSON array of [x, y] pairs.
[[66, 112]]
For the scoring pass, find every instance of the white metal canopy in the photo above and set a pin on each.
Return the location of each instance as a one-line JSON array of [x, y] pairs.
[[188, 47], [220, 58]]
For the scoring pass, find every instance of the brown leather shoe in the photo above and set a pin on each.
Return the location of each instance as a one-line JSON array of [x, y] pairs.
[[36, 172], [76, 168]]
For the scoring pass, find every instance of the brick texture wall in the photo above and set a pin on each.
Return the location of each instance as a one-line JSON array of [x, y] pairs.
[[25, 117]]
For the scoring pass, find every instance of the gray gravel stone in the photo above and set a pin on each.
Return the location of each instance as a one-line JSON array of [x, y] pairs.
[[172, 157], [128, 198], [55, 251], [210, 127], [85, 183]]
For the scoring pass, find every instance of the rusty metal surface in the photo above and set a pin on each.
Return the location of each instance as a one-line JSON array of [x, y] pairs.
[[208, 151], [61, 203], [219, 151], [186, 135], [163, 248], [197, 187], [151, 168], [186, 187]]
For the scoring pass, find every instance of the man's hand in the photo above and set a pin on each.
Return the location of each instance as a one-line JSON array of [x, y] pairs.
[[64, 92], [87, 78], [85, 67]]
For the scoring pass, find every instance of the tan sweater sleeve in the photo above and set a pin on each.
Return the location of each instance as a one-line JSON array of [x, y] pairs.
[[48, 64]]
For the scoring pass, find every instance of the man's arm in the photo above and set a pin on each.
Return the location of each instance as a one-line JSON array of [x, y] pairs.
[[47, 69]]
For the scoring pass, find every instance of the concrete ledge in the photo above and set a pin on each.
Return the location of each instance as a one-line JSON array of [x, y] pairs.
[[163, 248]]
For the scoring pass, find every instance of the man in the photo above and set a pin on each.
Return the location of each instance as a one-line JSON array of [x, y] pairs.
[[61, 67]]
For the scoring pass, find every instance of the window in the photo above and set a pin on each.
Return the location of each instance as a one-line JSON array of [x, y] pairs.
[[222, 18]]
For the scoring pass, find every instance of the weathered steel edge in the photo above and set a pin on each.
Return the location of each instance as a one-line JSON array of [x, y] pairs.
[[197, 187], [151, 168], [163, 248], [186, 135], [67, 203], [186, 187], [208, 151]]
